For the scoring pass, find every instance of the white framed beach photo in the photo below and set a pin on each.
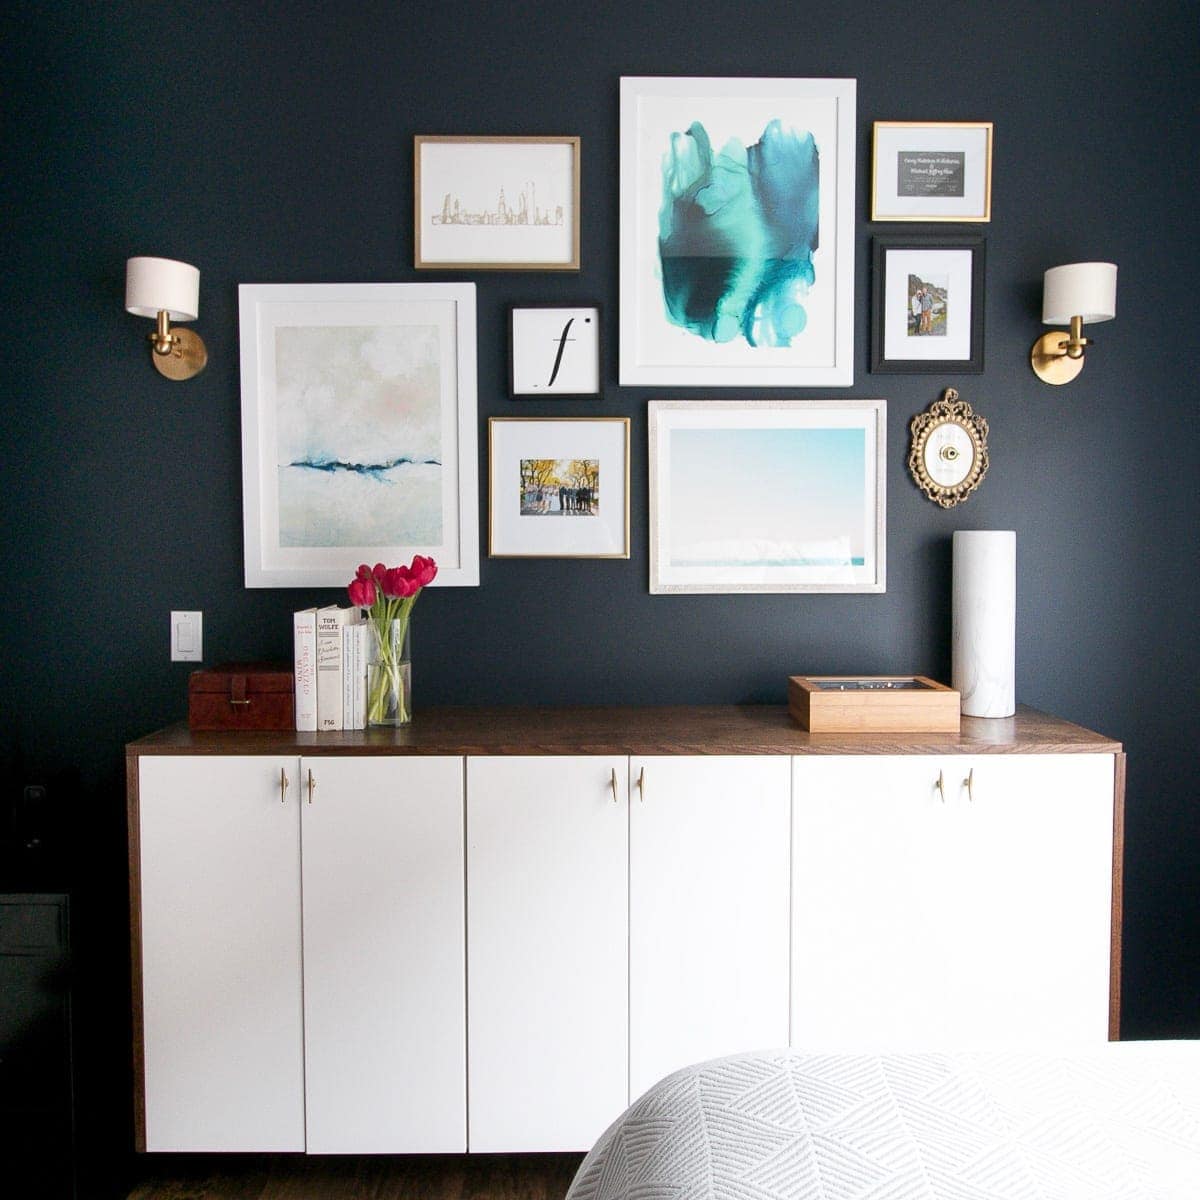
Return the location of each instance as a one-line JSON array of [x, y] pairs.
[[767, 496], [359, 438]]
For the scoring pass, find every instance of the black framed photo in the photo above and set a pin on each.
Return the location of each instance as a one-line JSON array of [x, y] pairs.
[[927, 305], [555, 351]]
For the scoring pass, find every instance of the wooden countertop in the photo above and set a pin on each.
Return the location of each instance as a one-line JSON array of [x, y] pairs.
[[690, 729]]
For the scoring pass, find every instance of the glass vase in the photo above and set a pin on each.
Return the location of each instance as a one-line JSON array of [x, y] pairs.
[[389, 676]]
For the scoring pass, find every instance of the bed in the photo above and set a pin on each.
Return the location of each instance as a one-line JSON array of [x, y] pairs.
[[1121, 1121]]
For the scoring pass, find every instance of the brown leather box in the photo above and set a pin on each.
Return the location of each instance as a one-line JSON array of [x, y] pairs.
[[242, 696]]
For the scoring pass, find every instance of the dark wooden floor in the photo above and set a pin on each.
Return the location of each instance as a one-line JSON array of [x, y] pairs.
[[329, 1177]]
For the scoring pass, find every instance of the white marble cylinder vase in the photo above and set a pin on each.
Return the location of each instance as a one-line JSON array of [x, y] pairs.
[[984, 632]]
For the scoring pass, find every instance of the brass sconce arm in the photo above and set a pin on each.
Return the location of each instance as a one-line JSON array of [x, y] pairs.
[[1076, 342], [162, 339]]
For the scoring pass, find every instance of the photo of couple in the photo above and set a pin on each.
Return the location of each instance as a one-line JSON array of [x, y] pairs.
[[926, 307]]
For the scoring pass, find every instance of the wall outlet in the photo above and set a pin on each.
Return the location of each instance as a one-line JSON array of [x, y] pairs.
[[187, 640]]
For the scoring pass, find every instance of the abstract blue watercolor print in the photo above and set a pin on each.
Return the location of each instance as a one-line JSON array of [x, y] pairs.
[[358, 435], [737, 232]]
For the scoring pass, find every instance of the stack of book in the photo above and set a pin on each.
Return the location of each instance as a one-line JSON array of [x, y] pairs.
[[333, 649]]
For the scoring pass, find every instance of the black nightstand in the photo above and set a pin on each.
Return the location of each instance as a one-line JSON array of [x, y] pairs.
[[37, 1143]]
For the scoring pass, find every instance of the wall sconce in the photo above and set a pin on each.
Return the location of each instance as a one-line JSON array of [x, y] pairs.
[[1076, 293], [167, 291]]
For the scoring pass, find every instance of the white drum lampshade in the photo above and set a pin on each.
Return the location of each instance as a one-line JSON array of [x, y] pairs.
[[154, 285], [984, 633], [1087, 290]]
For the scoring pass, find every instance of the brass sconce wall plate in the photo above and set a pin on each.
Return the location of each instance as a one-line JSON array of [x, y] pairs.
[[949, 454], [187, 356], [1057, 357]]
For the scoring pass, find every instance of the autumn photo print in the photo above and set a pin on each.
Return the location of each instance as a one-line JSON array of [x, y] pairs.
[[559, 487]]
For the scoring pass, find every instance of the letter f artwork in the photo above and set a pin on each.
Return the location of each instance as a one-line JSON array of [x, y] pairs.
[[563, 339]]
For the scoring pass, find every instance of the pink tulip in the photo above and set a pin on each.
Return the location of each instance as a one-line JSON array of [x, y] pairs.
[[379, 572], [399, 583], [363, 572], [362, 593], [424, 570]]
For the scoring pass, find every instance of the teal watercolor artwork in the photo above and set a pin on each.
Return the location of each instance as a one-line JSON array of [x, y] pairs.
[[737, 222], [737, 230]]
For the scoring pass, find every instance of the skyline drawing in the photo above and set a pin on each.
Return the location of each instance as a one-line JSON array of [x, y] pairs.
[[524, 213]]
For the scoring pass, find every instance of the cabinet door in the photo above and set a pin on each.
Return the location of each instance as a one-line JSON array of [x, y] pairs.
[[547, 844], [384, 945], [980, 919], [869, 893], [708, 910], [1031, 937], [220, 937]]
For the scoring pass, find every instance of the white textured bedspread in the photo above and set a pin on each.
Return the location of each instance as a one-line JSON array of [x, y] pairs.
[[1120, 1122]]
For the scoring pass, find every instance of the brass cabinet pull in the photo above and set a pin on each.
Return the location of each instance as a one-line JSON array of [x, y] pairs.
[[283, 786], [312, 785], [642, 783], [941, 785], [239, 701], [613, 781], [969, 784]]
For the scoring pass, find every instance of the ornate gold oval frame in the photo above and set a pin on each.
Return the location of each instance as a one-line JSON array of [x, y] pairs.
[[957, 412]]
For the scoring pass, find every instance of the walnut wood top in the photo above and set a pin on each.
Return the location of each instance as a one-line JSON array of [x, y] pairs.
[[726, 729]]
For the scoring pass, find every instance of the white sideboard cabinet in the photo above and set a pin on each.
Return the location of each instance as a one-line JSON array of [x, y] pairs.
[[301, 967], [491, 930], [951, 901], [626, 916]]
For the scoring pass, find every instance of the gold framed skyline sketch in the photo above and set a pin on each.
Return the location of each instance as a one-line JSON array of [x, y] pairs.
[[496, 203]]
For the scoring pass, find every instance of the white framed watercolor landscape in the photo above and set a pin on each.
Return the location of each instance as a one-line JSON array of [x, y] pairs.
[[359, 435], [767, 496], [737, 232]]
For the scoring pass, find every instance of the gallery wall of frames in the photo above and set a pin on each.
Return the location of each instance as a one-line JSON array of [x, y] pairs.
[[664, 289]]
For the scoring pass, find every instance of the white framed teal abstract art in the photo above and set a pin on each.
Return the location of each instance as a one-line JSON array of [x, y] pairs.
[[358, 430], [767, 495], [737, 232]]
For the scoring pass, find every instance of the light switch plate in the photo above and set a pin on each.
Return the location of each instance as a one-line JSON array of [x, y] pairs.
[[187, 640]]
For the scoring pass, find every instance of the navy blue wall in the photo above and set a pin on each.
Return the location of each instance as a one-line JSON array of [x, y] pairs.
[[272, 143]]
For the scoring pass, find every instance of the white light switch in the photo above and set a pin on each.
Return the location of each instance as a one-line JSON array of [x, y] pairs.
[[187, 641]]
